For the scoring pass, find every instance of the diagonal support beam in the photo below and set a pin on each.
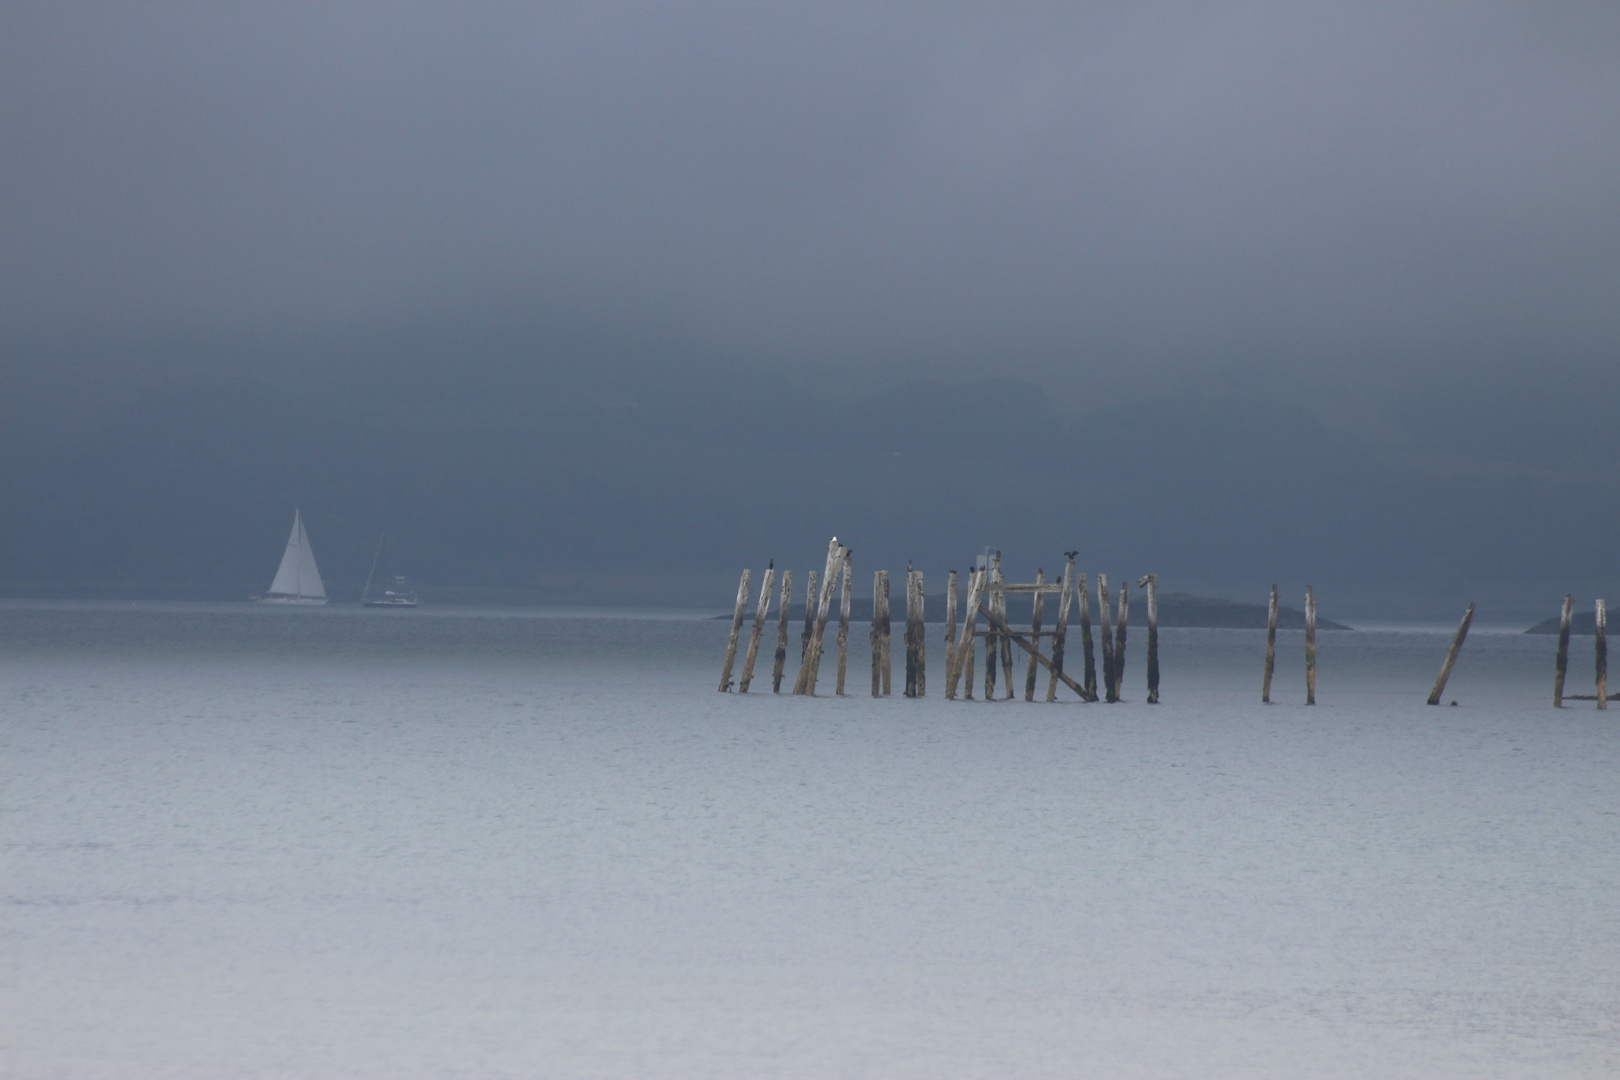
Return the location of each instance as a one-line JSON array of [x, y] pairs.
[[1023, 643]]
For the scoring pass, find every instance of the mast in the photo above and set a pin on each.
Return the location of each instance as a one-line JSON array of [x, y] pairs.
[[367, 590]]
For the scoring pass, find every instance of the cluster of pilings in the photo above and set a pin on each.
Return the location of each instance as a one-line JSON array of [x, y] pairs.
[[987, 592], [1601, 626]]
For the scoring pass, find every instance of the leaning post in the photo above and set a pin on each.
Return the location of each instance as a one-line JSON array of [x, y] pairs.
[[1451, 656], [1563, 651], [963, 665], [760, 611], [1310, 645], [1271, 647], [835, 561], [843, 622], [1151, 583], [782, 631], [736, 629]]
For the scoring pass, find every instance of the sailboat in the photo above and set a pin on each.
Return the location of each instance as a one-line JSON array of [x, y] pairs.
[[297, 579], [399, 596]]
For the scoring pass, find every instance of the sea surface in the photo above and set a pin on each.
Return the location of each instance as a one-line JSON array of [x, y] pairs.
[[337, 842]]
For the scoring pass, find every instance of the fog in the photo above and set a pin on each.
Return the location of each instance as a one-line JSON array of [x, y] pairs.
[[606, 302]]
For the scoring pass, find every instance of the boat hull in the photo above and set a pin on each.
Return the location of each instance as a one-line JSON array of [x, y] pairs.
[[302, 601]]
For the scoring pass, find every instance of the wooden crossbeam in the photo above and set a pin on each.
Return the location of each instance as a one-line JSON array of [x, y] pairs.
[[1023, 643], [1038, 587]]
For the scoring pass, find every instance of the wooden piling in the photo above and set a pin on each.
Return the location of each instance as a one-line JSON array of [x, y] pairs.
[[1310, 645], [1151, 583], [1060, 635], [760, 611], [829, 581], [843, 620], [1082, 593], [1034, 634], [1029, 647], [1107, 629], [961, 672], [810, 597], [950, 625], [877, 647], [922, 637], [1002, 643], [782, 631], [914, 633], [1119, 640], [1563, 651], [992, 571], [884, 667], [736, 629], [1271, 647], [1601, 617], [1451, 656]]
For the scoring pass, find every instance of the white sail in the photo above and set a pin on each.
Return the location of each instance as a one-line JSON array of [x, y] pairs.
[[297, 577]]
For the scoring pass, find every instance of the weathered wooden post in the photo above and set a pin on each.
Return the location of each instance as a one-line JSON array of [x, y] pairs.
[[992, 570], [736, 629], [1310, 645], [782, 631], [1601, 617], [1151, 583], [1271, 647], [1451, 656], [1119, 640], [1082, 593], [1060, 635], [963, 665], [877, 645], [1002, 641], [885, 667], [1107, 629], [843, 619], [1563, 651], [835, 562], [922, 637], [810, 596], [950, 625], [760, 611], [915, 639], [1035, 633]]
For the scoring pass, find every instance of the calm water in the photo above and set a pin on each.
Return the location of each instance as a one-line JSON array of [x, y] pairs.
[[344, 843]]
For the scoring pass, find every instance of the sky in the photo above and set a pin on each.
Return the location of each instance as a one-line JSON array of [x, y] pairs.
[[607, 301]]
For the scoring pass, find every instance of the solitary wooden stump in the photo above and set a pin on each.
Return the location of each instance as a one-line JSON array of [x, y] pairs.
[[782, 632], [880, 616], [760, 611], [1563, 651], [1310, 645], [736, 629], [1271, 647], [1451, 656], [1151, 583]]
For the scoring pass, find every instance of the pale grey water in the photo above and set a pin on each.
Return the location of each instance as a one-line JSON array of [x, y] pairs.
[[337, 843]]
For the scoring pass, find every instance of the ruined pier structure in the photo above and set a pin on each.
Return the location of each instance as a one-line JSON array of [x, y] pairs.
[[986, 598]]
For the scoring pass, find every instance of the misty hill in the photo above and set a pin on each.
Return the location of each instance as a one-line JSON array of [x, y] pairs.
[[1175, 609], [1582, 622]]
